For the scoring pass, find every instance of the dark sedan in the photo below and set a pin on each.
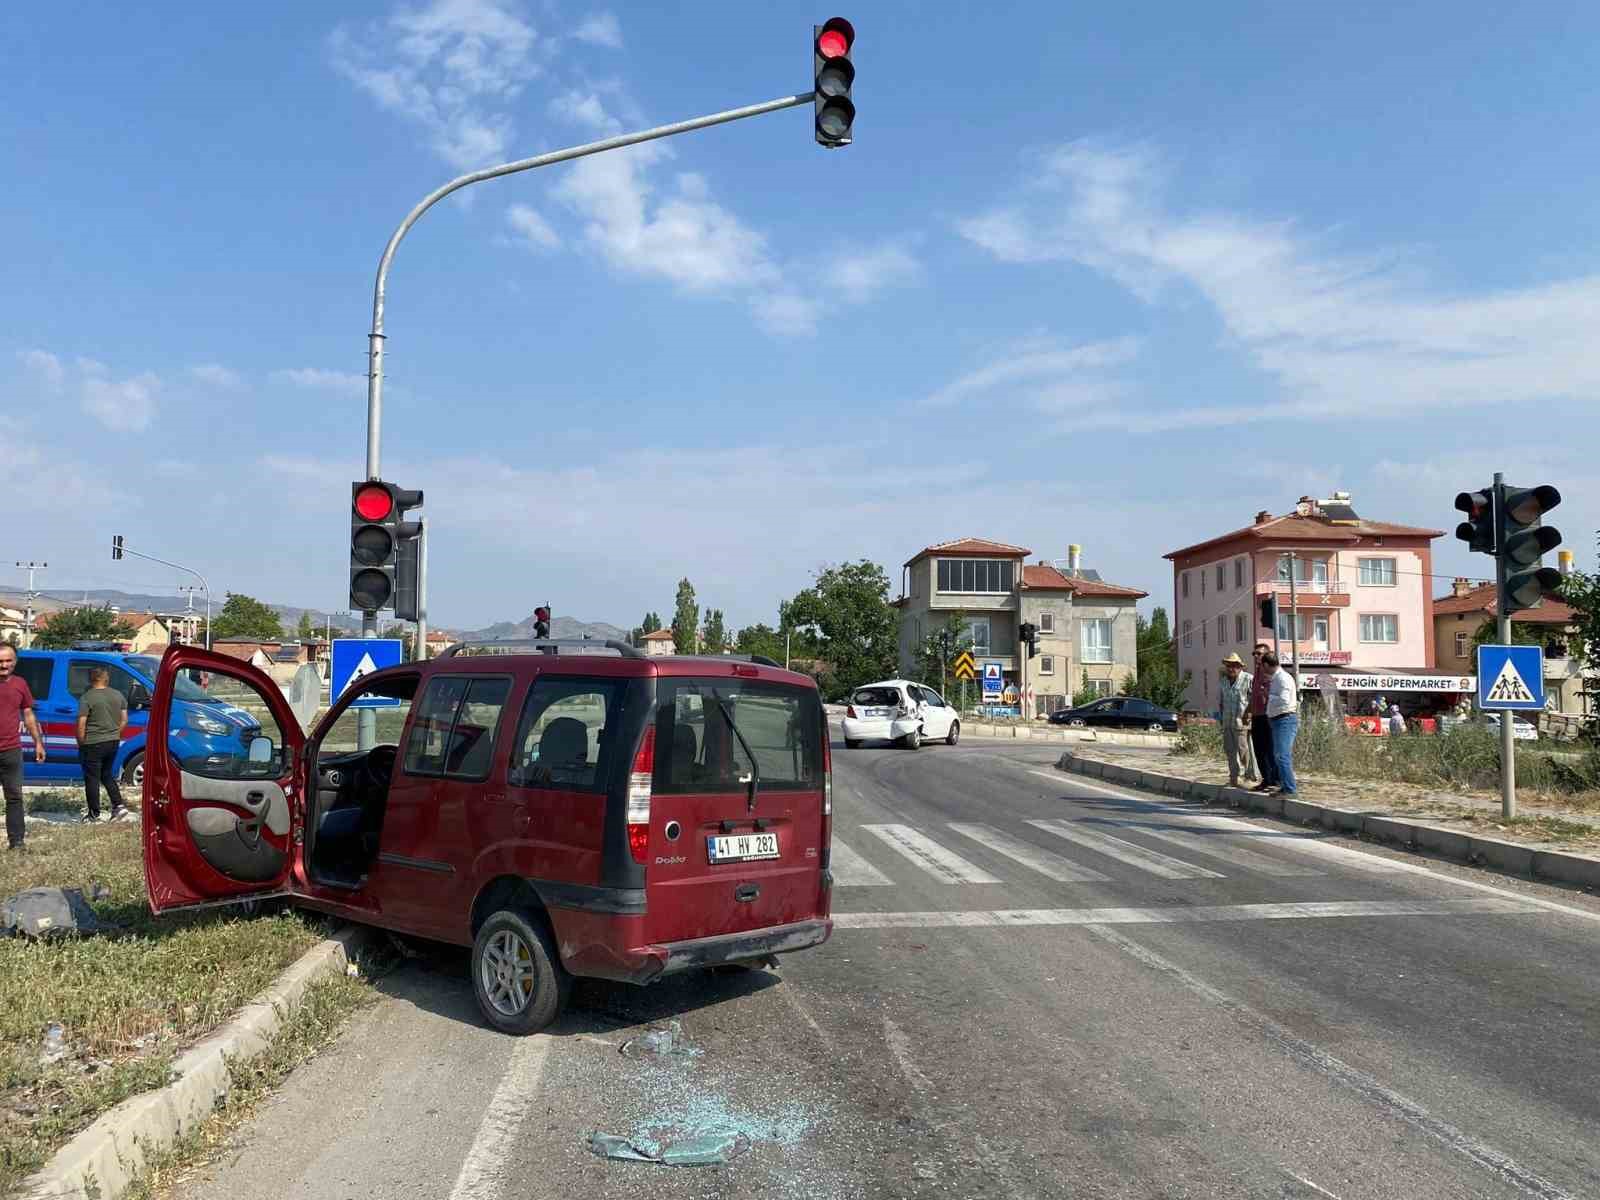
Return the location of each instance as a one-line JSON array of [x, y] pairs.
[[1119, 712]]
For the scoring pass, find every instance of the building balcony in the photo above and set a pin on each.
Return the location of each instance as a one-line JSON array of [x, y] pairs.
[[1308, 593]]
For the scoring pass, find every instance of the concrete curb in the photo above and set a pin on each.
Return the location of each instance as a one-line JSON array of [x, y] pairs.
[[100, 1162], [1058, 733], [1513, 858]]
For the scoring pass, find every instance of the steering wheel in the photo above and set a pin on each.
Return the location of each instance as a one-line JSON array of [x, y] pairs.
[[379, 764]]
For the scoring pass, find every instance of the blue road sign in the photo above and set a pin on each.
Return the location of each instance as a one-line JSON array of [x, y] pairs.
[[993, 680], [1511, 677], [357, 657]]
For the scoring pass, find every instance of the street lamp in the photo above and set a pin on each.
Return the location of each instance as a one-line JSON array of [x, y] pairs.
[[119, 548]]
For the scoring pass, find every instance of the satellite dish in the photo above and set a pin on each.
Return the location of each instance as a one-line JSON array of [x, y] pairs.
[[305, 694]]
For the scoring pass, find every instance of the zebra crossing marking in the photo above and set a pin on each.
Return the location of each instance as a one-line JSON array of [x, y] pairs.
[[851, 870], [944, 865], [1053, 866], [1210, 844], [1129, 852]]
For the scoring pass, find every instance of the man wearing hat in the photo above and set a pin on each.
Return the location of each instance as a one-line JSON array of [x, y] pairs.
[[1233, 714]]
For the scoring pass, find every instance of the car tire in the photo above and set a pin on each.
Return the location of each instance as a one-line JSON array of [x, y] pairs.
[[517, 975], [1078, 723], [132, 776], [954, 735], [852, 743], [1157, 727], [912, 740]]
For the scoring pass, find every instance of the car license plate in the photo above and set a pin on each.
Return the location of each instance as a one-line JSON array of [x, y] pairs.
[[742, 847]]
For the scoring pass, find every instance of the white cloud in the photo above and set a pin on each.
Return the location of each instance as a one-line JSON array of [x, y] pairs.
[[125, 406], [1343, 333], [215, 375], [602, 29], [532, 229], [44, 364], [1040, 363], [451, 67], [860, 277], [585, 109], [320, 379]]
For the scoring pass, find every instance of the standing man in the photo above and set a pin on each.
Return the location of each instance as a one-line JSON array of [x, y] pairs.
[[1233, 714], [16, 706], [1283, 714], [1260, 728], [102, 712]]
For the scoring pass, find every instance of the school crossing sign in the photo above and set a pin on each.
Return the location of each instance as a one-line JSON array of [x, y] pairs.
[[1511, 677]]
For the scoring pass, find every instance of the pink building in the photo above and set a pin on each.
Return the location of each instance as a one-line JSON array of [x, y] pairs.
[[1362, 596]]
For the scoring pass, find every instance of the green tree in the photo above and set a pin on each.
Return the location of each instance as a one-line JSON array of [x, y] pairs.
[[940, 649], [1085, 694], [716, 632], [1156, 677], [1523, 633], [305, 631], [686, 619], [245, 616], [847, 611], [1582, 593], [760, 639], [73, 625], [651, 622]]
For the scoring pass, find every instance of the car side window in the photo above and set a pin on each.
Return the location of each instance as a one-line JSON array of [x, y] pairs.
[[78, 677], [36, 673], [935, 699], [454, 732], [562, 740]]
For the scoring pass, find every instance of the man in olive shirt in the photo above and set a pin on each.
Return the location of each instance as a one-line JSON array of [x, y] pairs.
[[102, 711]]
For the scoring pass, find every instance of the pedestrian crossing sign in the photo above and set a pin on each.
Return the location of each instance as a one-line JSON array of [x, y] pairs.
[[1511, 677]]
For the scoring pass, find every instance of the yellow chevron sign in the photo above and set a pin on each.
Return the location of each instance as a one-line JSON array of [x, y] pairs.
[[965, 668]]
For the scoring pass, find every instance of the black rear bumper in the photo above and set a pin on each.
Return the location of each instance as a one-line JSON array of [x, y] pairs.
[[737, 947]]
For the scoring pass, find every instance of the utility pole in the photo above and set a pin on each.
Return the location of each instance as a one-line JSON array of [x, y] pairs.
[[119, 548], [27, 616], [1294, 628], [1508, 745]]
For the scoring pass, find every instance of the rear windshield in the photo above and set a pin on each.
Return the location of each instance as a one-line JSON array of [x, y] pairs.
[[876, 695], [697, 752]]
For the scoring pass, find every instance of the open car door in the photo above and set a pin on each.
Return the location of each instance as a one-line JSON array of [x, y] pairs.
[[223, 781]]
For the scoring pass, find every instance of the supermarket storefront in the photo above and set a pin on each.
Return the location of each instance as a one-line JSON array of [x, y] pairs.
[[1422, 695]]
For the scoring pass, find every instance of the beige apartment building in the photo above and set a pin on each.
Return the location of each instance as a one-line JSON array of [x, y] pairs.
[[1568, 688]]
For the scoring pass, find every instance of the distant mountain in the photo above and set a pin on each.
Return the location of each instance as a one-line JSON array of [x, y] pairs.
[[560, 627]]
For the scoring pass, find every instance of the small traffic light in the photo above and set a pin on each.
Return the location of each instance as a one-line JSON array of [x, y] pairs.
[[408, 575], [833, 74], [1524, 540], [1478, 530], [1029, 633], [376, 535], [1269, 612], [541, 622], [116, 546]]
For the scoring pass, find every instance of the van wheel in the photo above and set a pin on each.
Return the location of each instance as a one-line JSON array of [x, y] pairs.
[[913, 739], [954, 735], [133, 772], [852, 743], [516, 974]]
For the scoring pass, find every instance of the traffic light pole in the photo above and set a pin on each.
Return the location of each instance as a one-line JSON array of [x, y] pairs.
[[1502, 568]]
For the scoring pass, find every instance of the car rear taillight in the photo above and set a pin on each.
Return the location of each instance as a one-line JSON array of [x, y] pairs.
[[850, 711], [827, 796], [644, 769]]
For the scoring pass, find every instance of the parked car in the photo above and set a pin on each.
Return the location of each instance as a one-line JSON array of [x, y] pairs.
[[1522, 729], [899, 711], [206, 724], [617, 817], [1119, 712]]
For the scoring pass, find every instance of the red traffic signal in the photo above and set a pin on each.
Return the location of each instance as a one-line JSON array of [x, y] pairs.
[[376, 533], [835, 39], [373, 501], [833, 76]]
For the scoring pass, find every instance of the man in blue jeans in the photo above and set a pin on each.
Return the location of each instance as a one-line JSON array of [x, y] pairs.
[[1283, 714]]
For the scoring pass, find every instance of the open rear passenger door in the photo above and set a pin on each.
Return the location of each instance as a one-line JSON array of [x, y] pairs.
[[224, 777]]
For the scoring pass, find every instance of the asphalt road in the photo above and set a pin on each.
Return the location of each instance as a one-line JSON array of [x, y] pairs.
[[1039, 988]]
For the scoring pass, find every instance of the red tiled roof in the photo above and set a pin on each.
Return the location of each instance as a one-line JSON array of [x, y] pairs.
[[1295, 528], [1044, 577], [660, 635], [972, 546], [1481, 599]]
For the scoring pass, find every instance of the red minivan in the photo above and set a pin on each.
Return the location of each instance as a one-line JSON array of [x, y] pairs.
[[565, 812]]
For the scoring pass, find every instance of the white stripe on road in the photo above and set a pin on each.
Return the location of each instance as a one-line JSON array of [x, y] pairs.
[[944, 865], [1128, 852], [483, 1170], [1366, 1086], [851, 870], [1042, 861], [1212, 845], [1305, 910]]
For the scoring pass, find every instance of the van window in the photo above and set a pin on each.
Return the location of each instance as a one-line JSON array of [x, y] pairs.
[[186, 685], [562, 740], [36, 673], [454, 733], [78, 677], [697, 752], [391, 704]]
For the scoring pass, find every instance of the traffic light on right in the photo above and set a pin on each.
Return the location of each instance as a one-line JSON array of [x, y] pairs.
[[1269, 612], [1478, 529], [541, 622], [1524, 540], [1029, 633], [376, 533], [833, 75]]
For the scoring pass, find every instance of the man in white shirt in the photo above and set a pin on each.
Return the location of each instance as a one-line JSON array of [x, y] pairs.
[[1283, 714]]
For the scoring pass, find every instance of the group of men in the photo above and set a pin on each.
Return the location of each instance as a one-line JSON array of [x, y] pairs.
[[1259, 712]]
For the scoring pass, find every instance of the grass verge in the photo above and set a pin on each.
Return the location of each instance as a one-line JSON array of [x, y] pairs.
[[127, 1001]]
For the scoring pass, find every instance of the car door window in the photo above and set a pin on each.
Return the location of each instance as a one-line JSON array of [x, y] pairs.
[[36, 673], [562, 739], [454, 734], [935, 699], [78, 677]]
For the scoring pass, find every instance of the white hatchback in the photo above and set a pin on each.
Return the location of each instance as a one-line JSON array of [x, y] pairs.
[[898, 710]]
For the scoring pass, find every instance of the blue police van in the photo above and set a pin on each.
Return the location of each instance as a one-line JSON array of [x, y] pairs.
[[204, 724]]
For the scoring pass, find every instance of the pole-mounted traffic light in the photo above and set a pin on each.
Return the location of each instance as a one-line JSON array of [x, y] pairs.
[[1523, 541], [834, 74], [377, 534], [1478, 529], [1029, 633], [541, 622], [1269, 612]]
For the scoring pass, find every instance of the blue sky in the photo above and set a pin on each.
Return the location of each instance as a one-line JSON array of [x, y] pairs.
[[1116, 278]]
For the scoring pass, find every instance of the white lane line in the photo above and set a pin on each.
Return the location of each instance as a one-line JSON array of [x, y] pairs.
[[851, 870], [944, 865], [1366, 1086], [900, 1047], [1211, 844], [482, 1171], [1051, 865], [1301, 910], [1129, 852]]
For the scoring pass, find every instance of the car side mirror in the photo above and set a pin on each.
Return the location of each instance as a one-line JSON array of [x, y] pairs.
[[138, 697], [261, 749]]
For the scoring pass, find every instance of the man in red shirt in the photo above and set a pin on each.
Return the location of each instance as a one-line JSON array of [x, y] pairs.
[[16, 705], [1260, 727]]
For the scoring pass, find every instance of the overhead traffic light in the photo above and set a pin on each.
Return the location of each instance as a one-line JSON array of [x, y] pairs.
[[377, 533], [1269, 612], [834, 74], [1523, 541], [116, 546], [1478, 529]]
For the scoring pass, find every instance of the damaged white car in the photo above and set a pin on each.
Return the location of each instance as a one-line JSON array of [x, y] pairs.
[[899, 711]]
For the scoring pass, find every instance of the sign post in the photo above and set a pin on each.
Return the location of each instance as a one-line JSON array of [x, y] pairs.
[[1510, 679]]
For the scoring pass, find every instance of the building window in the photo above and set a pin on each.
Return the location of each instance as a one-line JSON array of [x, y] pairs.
[[1047, 622], [1462, 641], [1202, 633], [992, 576], [1188, 633], [1202, 581], [1307, 571], [1238, 627], [1377, 572], [978, 634], [1186, 585], [1100, 687], [1097, 639], [1380, 627], [1301, 630], [1238, 573], [1047, 664], [1222, 578], [1222, 630]]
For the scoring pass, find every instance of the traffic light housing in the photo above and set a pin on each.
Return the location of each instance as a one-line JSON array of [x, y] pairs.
[[1269, 612], [1524, 540], [1478, 529], [541, 622], [833, 76], [377, 533], [116, 546], [408, 576], [1029, 633]]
